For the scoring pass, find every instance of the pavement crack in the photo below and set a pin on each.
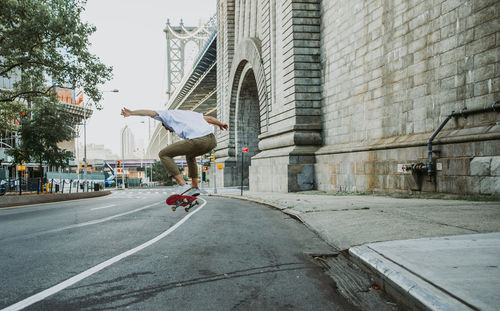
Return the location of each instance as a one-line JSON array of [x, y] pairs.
[[430, 220], [97, 299], [337, 210]]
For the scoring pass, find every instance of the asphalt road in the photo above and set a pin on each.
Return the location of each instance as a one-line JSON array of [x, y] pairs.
[[128, 251]]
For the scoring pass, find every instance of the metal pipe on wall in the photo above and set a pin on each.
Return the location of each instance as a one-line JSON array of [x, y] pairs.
[[463, 113]]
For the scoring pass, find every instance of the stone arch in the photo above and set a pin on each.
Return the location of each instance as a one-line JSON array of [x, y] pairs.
[[248, 98], [247, 111], [247, 56], [247, 123]]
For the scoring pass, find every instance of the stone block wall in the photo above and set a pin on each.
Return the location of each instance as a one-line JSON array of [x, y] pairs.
[[377, 170], [348, 91], [391, 72], [225, 42], [278, 42]]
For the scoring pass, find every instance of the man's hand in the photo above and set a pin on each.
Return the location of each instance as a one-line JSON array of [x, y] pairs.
[[167, 128], [141, 112], [126, 112], [212, 120]]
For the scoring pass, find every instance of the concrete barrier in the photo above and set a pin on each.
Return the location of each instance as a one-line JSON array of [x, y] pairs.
[[16, 200]]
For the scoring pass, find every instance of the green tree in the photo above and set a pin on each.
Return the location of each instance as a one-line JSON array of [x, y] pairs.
[[9, 113], [160, 174], [41, 130], [45, 40]]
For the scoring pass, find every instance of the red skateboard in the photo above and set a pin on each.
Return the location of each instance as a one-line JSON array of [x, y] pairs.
[[186, 201]]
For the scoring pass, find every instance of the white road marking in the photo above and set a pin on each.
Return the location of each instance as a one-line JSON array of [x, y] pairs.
[[85, 274], [102, 207], [88, 223], [93, 222]]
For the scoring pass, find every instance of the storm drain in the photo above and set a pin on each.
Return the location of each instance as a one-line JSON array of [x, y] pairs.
[[352, 283]]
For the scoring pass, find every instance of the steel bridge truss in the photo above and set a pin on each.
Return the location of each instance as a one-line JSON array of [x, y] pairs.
[[177, 39]]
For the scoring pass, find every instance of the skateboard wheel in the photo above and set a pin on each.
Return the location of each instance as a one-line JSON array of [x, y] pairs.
[[174, 208], [185, 200], [186, 209], [197, 202]]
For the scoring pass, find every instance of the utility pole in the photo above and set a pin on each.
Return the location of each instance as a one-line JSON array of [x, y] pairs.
[[214, 173], [85, 145], [85, 139], [243, 151]]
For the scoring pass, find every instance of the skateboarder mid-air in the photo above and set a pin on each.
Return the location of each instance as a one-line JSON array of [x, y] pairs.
[[198, 138]]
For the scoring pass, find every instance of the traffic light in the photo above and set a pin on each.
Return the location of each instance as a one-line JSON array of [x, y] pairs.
[[213, 157], [119, 164]]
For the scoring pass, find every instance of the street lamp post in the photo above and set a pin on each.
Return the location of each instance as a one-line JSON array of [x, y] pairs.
[[85, 140], [123, 158], [84, 145]]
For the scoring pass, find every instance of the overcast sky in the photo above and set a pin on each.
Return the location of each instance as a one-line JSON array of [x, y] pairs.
[[130, 38]]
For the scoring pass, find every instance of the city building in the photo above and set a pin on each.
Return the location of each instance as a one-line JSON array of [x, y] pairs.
[[71, 105], [100, 152], [74, 104], [8, 140], [128, 146]]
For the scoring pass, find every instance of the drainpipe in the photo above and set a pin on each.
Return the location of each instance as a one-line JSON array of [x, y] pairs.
[[463, 113]]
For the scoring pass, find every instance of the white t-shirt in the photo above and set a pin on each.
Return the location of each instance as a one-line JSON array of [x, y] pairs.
[[186, 124]]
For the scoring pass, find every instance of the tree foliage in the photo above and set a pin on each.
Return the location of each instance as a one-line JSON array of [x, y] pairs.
[[41, 131], [9, 113], [160, 174], [44, 43]]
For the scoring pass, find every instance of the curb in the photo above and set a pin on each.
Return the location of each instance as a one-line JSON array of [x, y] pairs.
[[294, 214], [407, 288], [283, 209], [12, 201]]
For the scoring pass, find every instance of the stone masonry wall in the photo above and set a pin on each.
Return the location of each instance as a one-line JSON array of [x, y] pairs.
[[392, 71], [225, 42]]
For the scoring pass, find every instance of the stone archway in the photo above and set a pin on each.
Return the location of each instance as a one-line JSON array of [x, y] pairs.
[[247, 97], [247, 57], [247, 123]]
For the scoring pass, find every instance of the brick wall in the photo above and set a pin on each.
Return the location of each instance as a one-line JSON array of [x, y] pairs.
[[392, 71]]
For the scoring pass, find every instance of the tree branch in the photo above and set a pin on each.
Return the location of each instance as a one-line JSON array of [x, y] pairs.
[[9, 68], [12, 98]]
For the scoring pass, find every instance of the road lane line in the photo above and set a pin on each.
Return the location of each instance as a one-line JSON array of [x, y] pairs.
[[83, 224], [102, 207], [97, 221], [85, 274]]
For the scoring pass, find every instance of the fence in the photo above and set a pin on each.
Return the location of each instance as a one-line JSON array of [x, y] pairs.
[[56, 182], [32, 185]]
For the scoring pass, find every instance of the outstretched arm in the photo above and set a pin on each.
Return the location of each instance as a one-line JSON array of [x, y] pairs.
[[145, 113], [212, 120]]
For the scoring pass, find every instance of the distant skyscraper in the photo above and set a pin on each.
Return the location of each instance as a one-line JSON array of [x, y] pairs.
[[127, 143], [99, 152]]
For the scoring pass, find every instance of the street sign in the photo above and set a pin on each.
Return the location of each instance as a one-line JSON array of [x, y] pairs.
[[244, 149]]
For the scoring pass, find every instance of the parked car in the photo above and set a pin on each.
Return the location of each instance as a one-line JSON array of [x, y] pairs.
[[3, 187]]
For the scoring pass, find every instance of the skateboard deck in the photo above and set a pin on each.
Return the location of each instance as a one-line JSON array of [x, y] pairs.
[[185, 201]]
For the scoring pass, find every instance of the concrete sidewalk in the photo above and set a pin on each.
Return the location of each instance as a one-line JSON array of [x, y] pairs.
[[28, 199], [427, 254]]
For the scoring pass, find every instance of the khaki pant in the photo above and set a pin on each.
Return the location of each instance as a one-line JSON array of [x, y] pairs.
[[191, 148]]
